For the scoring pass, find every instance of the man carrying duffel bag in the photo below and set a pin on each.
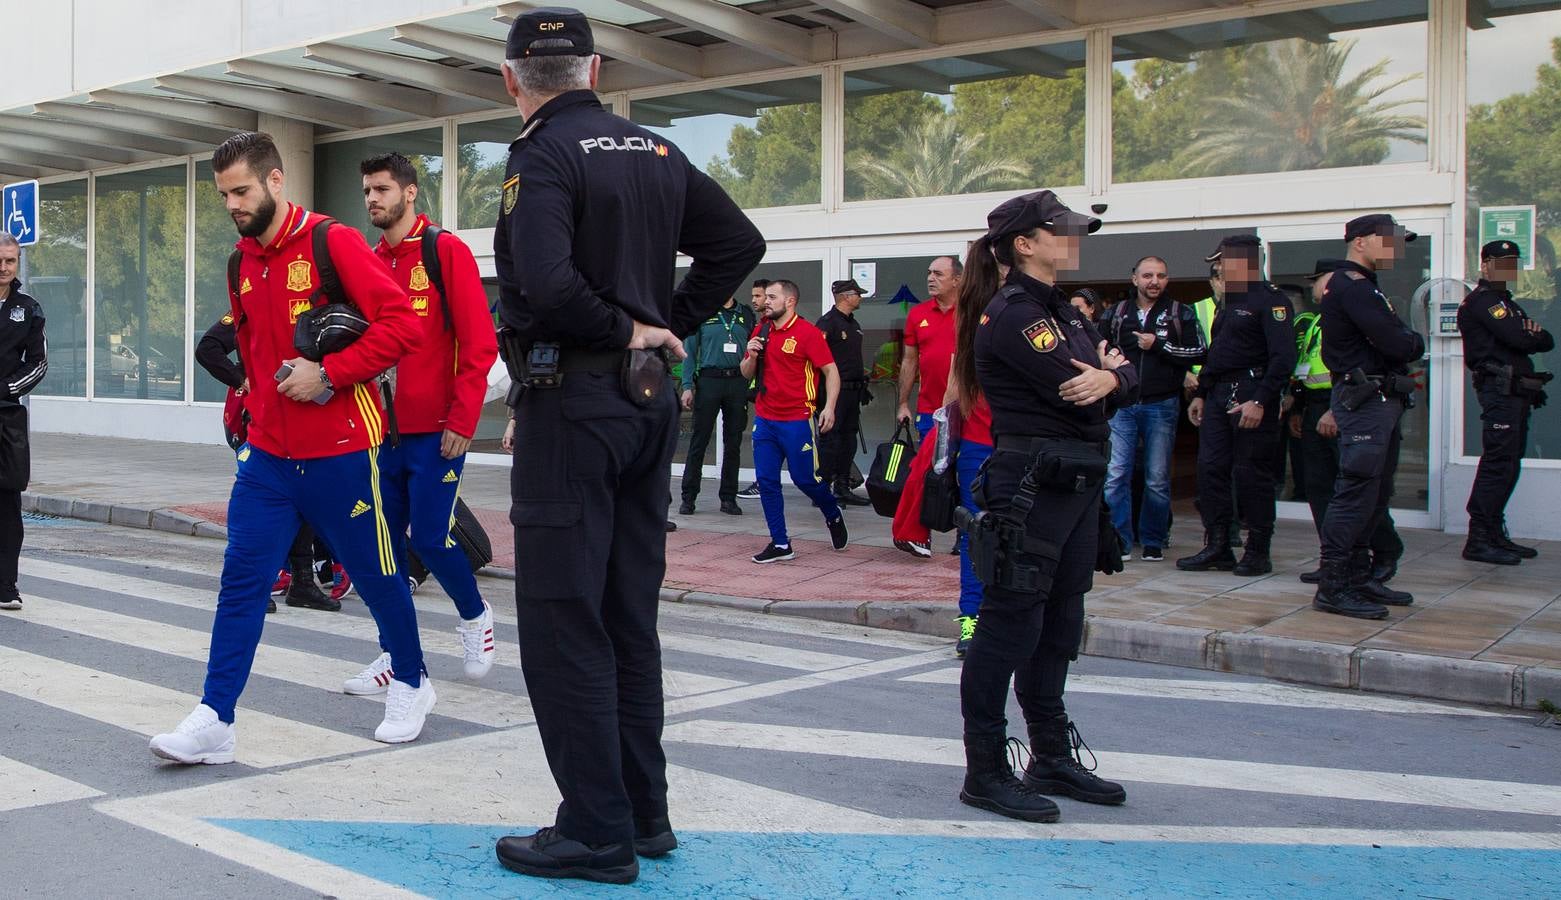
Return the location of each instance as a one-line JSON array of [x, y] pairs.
[[23, 360]]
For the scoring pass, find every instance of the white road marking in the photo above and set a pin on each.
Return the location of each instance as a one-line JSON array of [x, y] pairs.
[[23, 786], [749, 651], [801, 682]]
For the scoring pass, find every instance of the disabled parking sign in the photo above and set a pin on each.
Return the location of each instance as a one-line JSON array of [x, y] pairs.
[[20, 211]]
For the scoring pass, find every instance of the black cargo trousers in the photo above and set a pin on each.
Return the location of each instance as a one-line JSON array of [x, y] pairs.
[[589, 488]]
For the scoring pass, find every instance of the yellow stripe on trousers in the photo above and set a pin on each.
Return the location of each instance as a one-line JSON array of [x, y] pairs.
[[387, 556]]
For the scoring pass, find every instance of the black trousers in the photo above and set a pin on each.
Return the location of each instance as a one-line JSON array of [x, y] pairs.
[[727, 396], [1030, 637], [1236, 458], [837, 447], [1322, 470], [1369, 440], [10, 537], [1503, 441], [589, 489]]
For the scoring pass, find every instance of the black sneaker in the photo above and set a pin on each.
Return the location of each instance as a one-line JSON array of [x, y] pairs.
[[918, 549], [653, 838], [772, 553], [270, 605], [1152, 554], [549, 854], [686, 508], [9, 598], [731, 508], [671, 526], [837, 533], [751, 492]]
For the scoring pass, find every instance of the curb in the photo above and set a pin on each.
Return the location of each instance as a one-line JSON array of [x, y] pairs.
[[1239, 653]]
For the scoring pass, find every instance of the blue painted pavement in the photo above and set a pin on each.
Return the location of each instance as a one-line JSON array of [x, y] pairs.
[[458, 860]]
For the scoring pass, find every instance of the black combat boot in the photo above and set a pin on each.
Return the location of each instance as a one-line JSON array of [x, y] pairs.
[[305, 591], [1383, 567], [1502, 540], [846, 497], [1313, 577], [1482, 547], [1215, 554], [1371, 589], [1056, 767], [1254, 559], [990, 782], [1335, 595]]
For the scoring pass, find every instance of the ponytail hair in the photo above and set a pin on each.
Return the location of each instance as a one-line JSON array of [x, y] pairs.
[[979, 285]]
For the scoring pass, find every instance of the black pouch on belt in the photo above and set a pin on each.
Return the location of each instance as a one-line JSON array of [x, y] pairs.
[[1071, 468], [644, 376]]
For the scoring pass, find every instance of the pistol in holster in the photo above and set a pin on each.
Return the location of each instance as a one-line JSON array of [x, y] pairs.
[[1358, 389]]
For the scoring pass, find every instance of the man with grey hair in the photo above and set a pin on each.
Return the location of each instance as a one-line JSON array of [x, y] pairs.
[[24, 353], [593, 214]]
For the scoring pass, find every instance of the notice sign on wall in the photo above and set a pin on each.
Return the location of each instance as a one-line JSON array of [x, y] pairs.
[[1509, 223]]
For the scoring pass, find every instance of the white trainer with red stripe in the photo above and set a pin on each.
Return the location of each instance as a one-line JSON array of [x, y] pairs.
[[372, 680], [477, 642]]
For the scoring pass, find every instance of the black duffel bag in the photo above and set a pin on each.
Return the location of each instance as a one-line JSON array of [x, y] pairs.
[[891, 466]]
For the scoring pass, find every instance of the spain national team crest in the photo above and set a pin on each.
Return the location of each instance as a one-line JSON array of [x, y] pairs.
[[1280, 313], [300, 276], [419, 277], [511, 193], [789, 345], [1041, 336], [1499, 311]]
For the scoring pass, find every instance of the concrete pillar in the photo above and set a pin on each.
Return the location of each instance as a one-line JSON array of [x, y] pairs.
[[295, 140]]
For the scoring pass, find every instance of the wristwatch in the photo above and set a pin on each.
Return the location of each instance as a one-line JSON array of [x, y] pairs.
[[326, 379]]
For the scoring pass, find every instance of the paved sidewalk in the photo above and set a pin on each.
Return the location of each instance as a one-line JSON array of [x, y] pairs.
[[1477, 633]]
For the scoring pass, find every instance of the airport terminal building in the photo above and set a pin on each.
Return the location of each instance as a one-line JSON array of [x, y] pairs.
[[864, 137]]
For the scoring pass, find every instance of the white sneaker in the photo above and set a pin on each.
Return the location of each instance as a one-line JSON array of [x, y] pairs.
[[405, 709], [200, 738], [477, 642], [372, 680]]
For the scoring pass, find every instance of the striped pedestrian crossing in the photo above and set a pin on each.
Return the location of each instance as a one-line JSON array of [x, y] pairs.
[[23, 786]]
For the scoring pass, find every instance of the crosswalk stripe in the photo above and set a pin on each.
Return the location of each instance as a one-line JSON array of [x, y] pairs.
[[434, 641], [801, 682], [749, 651], [22, 786], [1235, 692], [1186, 771], [468, 703], [264, 740]]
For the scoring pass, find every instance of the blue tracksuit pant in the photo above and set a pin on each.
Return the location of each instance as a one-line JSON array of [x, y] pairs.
[[420, 488], [795, 444], [340, 498], [972, 455]]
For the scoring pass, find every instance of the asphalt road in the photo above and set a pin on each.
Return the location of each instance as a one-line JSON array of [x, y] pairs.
[[808, 760]]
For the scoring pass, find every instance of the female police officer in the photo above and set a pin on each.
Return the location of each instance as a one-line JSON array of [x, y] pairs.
[[1047, 375]]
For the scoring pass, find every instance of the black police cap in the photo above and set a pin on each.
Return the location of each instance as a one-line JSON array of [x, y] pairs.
[[848, 286], [1374, 223], [1241, 243], [1040, 209], [549, 23], [1500, 250], [1325, 267]]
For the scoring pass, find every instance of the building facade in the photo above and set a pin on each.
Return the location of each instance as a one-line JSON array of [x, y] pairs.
[[865, 137]]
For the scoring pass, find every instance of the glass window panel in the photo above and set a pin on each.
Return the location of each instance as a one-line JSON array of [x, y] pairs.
[[57, 279], [495, 415], [1514, 130], [338, 185], [139, 281], [214, 240], [481, 156], [1005, 120], [759, 141], [1308, 89]]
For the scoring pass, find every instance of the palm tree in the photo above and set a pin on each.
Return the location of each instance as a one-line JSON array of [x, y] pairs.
[[1295, 111], [936, 161]]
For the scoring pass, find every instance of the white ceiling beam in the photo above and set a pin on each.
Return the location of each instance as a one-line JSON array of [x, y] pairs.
[[777, 40], [419, 73], [142, 123], [15, 171], [670, 59], [207, 114], [327, 85], [473, 48], [94, 134], [330, 113], [907, 22], [28, 157], [1051, 13], [72, 149]]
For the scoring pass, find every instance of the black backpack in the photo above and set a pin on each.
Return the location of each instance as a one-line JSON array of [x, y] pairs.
[[434, 268]]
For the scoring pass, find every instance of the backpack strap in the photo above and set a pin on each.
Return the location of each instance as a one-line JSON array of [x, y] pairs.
[[234, 260], [435, 268], [330, 283]]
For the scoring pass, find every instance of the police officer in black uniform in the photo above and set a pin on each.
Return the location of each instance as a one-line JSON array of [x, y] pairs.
[[1048, 377], [1236, 408], [1498, 340], [24, 359], [838, 445], [1367, 349], [593, 213]]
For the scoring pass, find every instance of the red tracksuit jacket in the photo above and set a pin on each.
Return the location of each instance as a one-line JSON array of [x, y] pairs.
[[441, 384], [275, 283]]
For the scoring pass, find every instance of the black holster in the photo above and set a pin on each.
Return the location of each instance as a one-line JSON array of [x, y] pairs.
[[1357, 390]]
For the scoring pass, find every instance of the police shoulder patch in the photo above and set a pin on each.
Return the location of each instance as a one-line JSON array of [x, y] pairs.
[[227, 318], [1281, 313], [511, 193], [1041, 335], [1499, 311]]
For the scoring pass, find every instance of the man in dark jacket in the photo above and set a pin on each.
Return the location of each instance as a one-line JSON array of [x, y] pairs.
[[23, 361]]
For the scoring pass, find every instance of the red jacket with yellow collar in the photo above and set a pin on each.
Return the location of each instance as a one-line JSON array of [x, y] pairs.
[[275, 283], [441, 384]]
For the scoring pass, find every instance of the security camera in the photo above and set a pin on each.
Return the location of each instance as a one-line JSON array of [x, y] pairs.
[[1098, 209]]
